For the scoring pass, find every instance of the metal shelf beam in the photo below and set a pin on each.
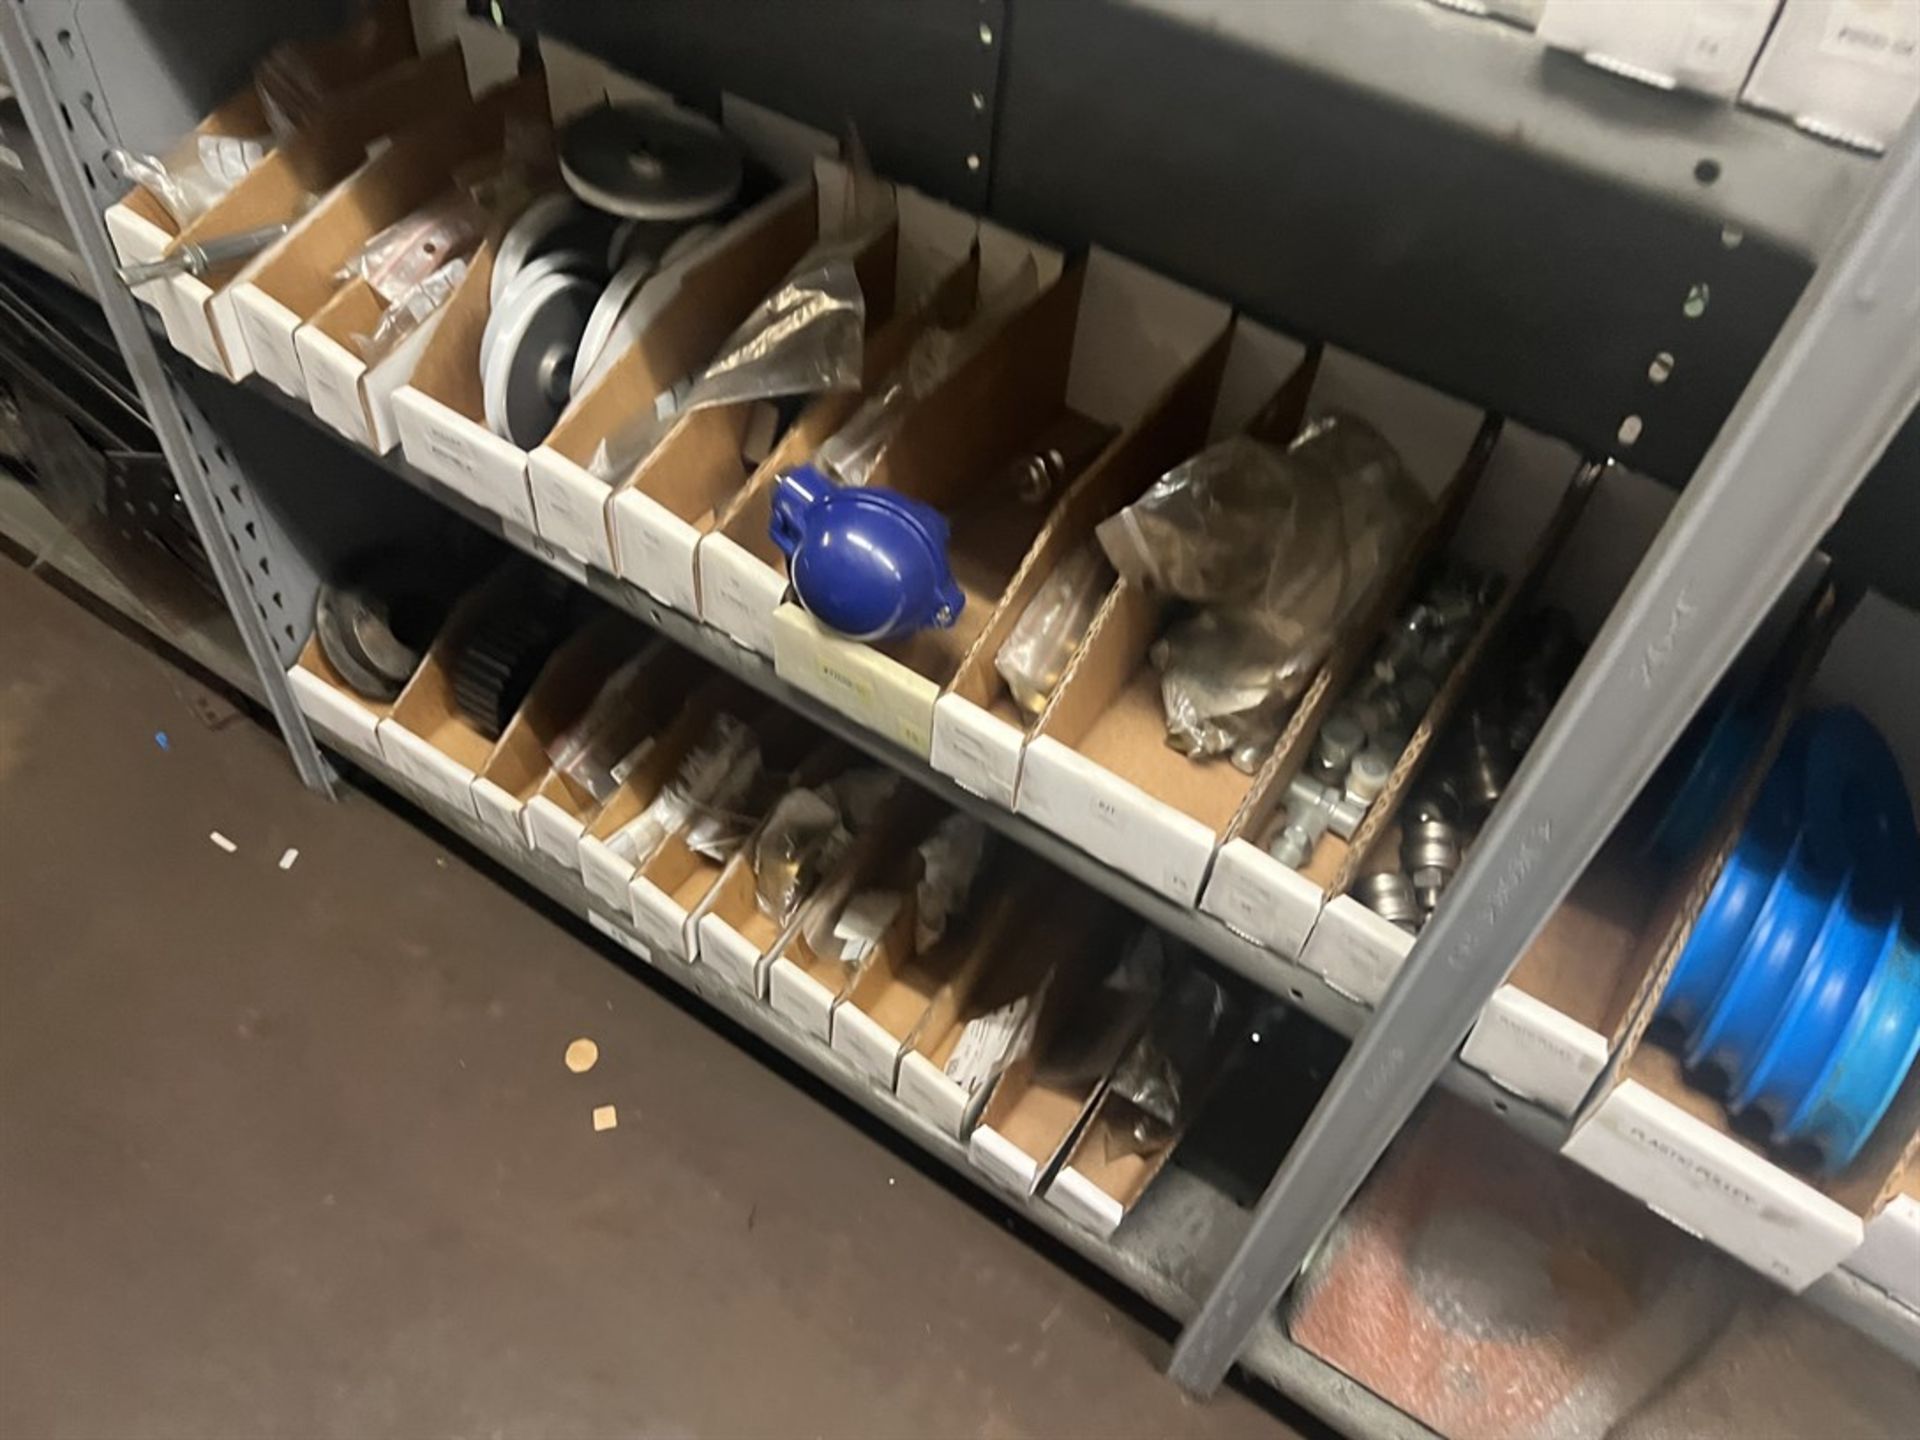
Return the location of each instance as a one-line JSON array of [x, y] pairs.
[[1836, 385]]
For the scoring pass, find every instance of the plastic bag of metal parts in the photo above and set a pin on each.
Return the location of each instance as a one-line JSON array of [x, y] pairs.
[[853, 450], [400, 257], [808, 832], [599, 750], [806, 338], [701, 774], [411, 309], [1049, 630], [721, 825], [950, 859], [1278, 549], [1158, 1075], [190, 183]]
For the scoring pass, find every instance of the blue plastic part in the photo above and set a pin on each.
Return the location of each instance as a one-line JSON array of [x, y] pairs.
[[1867, 1065], [1745, 880], [1715, 751], [1801, 978], [870, 563], [1763, 972]]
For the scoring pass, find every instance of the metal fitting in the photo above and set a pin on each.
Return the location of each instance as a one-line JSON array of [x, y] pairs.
[[1250, 755], [1427, 897], [1292, 847], [1415, 693], [1347, 816], [1367, 775], [1334, 748], [1430, 845], [1389, 895]]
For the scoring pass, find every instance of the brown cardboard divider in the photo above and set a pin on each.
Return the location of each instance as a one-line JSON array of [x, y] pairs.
[[304, 169], [675, 673], [300, 272], [696, 473], [564, 689], [1108, 706], [903, 993], [713, 298], [1119, 476], [1032, 1119], [714, 695], [1102, 1157], [884, 857], [686, 876]]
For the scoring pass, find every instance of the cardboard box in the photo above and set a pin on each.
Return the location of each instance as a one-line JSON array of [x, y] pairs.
[[287, 286], [1569, 1004], [736, 936], [808, 979], [1845, 70], [1107, 1170], [720, 285], [1353, 948], [1889, 1256], [198, 311], [1701, 45], [608, 873], [334, 708], [1032, 1119], [424, 737], [649, 688], [979, 732], [672, 890], [1110, 347], [1099, 770], [1651, 1132], [900, 994], [1062, 933], [519, 766]]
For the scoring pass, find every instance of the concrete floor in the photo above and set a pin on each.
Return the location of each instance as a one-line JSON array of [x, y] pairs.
[[294, 1153]]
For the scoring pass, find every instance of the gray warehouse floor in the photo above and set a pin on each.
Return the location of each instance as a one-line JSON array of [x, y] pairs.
[[294, 1152]]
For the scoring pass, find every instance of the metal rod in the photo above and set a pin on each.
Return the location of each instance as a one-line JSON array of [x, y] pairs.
[[33, 89], [1836, 383]]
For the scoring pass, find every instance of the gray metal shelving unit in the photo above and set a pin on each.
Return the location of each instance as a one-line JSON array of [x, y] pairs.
[[1409, 134]]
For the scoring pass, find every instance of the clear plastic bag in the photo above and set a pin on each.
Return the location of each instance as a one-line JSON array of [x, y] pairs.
[[806, 338], [188, 185], [1156, 1078], [1278, 549], [722, 824], [853, 450], [701, 774], [807, 834], [990, 1042], [1050, 629], [950, 860], [411, 309], [407, 252], [598, 751]]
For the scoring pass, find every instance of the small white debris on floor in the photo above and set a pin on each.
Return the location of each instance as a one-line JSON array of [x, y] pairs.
[[222, 841], [605, 1117], [287, 859], [582, 1055]]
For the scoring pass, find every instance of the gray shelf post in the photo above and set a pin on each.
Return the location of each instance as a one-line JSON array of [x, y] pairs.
[[1839, 379], [199, 462]]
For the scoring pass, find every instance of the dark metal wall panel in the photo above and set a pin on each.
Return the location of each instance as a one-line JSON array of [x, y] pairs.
[[1459, 254], [916, 77]]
